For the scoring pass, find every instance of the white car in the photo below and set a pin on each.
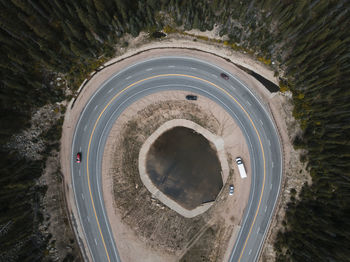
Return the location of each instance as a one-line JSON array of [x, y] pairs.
[[232, 189]]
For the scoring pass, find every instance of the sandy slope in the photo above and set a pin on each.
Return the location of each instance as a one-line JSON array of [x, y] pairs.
[[72, 114]]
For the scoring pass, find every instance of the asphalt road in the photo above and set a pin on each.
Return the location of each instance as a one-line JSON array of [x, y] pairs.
[[196, 77]]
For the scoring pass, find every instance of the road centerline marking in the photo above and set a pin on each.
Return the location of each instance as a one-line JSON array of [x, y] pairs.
[[189, 76]]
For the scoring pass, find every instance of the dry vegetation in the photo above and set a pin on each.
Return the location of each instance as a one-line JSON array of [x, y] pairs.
[[153, 222], [56, 225], [295, 173]]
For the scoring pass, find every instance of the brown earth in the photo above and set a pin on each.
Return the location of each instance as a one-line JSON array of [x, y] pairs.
[[62, 243], [279, 106], [132, 209]]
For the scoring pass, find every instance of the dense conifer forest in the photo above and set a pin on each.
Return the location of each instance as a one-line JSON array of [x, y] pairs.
[[309, 40]]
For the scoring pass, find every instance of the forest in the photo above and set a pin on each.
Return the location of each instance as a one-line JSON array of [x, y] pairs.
[[309, 40]]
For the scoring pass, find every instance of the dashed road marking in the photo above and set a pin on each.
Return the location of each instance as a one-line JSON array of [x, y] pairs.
[[261, 122], [258, 230], [85, 127], [110, 90], [270, 186], [96, 106], [128, 77], [171, 66], [149, 69], [265, 209], [95, 241], [82, 196], [273, 164], [249, 103], [193, 68], [214, 75], [250, 251], [268, 141], [133, 84]]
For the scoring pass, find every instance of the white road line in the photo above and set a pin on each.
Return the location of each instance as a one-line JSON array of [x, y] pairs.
[[214, 75], [193, 68], [258, 230], [74, 137], [82, 196], [273, 164], [95, 107], [85, 127], [249, 103], [250, 251], [99, 144], [171, 66], [261, 122], [268, 141], [109, 91], [128, 77], [265, 209], [270, 186], [149, 69], [79, 149], [88, 219], [95, 241]]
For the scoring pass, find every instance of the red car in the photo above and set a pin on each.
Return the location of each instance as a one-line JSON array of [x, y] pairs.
[[78, 159]]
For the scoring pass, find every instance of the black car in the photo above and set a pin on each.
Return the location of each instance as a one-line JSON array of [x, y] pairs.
[[191, 97], [224, 76]]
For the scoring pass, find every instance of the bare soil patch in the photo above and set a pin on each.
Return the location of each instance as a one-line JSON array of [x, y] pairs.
[[160, 230], [62, 243], [295, 173], [184, 165], [176, 44]]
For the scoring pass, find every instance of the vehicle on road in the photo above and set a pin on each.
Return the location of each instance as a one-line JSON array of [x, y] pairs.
[[191, 97], [232, 188], [224, 76], [78, 158], [241, 168]]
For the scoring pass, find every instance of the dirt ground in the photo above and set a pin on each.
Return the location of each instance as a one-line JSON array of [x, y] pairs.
[[131, 207], [295, 173], [277, 104], [56, 221]]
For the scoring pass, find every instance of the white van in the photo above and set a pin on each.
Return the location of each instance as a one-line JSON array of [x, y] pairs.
[[241, 168]]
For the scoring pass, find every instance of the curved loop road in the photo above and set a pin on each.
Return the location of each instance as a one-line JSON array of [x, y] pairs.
[[194, 76]]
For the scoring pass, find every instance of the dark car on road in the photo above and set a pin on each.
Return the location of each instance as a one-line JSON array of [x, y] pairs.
[[78, 159], [224, 76], [191, 97]]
